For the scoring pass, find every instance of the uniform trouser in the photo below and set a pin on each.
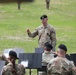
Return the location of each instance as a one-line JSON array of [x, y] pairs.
[[47, 3], [42, 73]]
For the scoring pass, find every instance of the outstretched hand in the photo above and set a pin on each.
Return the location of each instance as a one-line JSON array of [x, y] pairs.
[[28, 31]]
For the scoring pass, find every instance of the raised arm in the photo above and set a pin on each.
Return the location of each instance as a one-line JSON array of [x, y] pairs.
[[33, 34]]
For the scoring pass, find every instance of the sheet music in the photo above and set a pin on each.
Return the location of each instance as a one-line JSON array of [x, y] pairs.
[[24, 63]]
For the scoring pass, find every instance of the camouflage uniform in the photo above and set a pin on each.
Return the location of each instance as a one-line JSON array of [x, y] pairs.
[[2, 57], [46, 56], [9, 70], [45, 34], [60, 66], [47, 3]]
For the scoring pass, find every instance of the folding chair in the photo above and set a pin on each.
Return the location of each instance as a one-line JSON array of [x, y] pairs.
[[2, 63]]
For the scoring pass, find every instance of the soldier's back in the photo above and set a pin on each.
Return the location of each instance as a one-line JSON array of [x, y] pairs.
[[47, 56], [9, 70], [20, 69], [58, 66]]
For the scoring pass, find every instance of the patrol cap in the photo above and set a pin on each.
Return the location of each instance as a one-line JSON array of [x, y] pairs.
[[13, 53], [63, 47], [43, 16], [49, 46]]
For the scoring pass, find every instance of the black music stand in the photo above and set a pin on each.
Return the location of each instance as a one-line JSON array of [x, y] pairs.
[[34, 60], [2, 63], [17, 50], [73, 58], [44, 65], [39, 50], [68, 56]]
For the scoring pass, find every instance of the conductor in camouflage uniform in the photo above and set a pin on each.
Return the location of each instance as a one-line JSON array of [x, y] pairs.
[[45, 32], [12, 68], [61, 65]]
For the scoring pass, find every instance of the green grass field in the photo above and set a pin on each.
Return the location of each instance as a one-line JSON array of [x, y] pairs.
[[14, 22]]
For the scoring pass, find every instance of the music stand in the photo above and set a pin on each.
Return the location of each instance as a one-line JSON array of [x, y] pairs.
[[17, 50], [2, 63], [39, 50], [68, 56], [73, 58], [34, 60], [44, 65]]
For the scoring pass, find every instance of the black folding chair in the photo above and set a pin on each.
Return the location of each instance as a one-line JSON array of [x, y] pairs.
[[2, 63]]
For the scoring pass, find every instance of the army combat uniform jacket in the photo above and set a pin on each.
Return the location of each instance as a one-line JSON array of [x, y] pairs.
[[47, 56], [2, 57], [9, 70], [45, 34], [60, 66]]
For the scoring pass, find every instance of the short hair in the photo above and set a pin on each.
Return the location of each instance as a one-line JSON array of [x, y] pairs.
[[63, 47]]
